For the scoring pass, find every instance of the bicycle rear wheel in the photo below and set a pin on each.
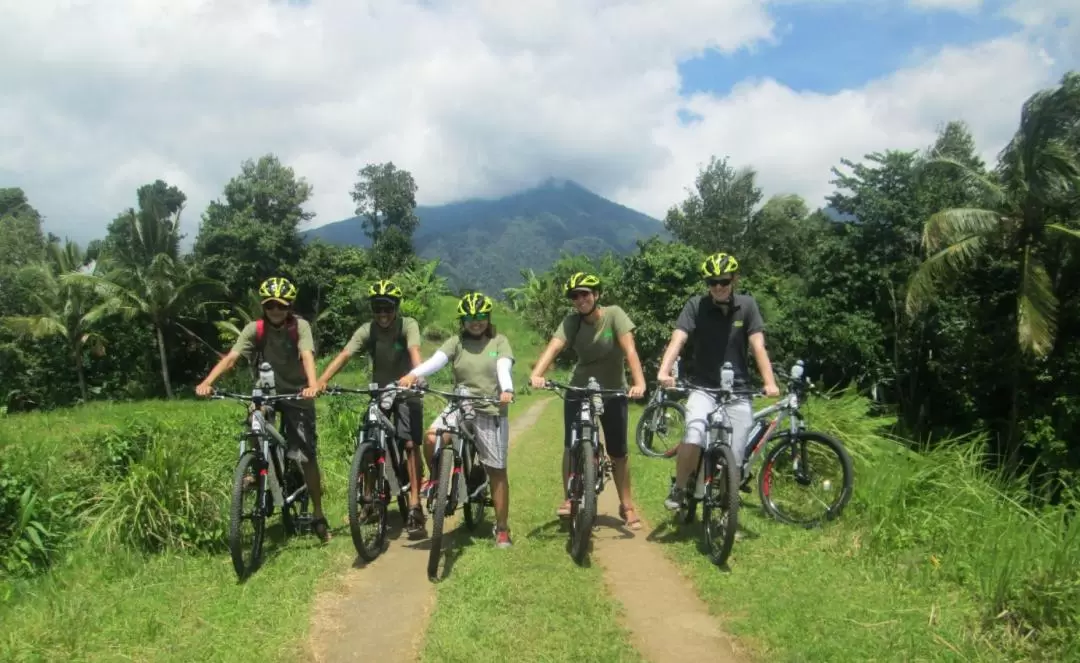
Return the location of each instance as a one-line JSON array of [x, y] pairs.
[[248, 482], [720, 508], [815, 470], [475, 475], [660, 429], [438, 514], [582, 500], [367, 506]]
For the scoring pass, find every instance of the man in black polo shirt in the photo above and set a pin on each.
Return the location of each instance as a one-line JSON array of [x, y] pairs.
[[720, 326]]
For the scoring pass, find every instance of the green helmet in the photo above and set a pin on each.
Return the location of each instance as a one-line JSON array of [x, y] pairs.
[[474, 303], [581, 281]]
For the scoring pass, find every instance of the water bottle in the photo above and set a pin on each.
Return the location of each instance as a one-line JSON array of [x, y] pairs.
[[266, 378], [797, 370], [597, 402], [727, 376], [466, 405]]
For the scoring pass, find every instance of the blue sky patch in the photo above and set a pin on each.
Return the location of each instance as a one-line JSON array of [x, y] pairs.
[[829, 47]]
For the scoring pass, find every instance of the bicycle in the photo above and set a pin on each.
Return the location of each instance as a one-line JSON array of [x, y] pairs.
[[714, 481], [262, 465], [793, 444], [589, 463], [373, 481], [449, 462]]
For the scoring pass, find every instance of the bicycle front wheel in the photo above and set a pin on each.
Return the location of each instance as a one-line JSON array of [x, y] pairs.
[[660, 429], [438, 514], [582, 500], [367, 508], [807, 479], [248, 495], [720, 508]]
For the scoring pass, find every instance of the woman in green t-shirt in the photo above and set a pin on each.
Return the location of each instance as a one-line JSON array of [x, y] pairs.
[[481, 359], [602, 336]]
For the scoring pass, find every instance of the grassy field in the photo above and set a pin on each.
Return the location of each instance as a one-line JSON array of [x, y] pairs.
[[114, 517]]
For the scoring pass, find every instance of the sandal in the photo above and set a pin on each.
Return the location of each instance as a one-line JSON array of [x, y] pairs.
[[563, 510], [324, 533], [633, 523]]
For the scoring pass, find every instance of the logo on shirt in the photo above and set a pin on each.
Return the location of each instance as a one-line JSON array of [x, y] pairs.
[[737, 323], [493, 353]]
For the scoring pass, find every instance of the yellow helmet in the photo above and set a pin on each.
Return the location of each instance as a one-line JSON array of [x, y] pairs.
[[385, 289], [719, 264], [474, 303], [581, 281], [277, 289]]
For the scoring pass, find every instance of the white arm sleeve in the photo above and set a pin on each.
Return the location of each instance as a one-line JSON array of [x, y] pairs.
[[433, 364], [502, 369]]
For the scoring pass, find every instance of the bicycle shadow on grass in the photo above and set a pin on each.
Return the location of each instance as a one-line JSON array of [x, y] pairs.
[[671, 532], [395, 528], [461, 538], [275, 542]]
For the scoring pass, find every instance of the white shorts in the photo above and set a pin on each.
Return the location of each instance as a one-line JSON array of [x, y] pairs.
[[699, 405], [492, 435]]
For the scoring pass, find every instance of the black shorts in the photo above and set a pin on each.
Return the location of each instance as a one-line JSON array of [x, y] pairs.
[[409, 420], [297, 426], [614, 421]]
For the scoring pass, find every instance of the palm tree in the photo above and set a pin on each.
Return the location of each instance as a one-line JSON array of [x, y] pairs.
[[1038, 174], [64, 309], [1038, 170]]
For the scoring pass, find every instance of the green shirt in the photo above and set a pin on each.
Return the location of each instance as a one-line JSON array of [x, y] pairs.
[[473, 362], [279, 350], [391, 359], [597, 346]]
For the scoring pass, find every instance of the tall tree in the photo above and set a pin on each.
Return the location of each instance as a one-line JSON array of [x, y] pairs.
[[63, 309], [253, 232], [385, 198], [718, 214], [137, 236], [21, 243]]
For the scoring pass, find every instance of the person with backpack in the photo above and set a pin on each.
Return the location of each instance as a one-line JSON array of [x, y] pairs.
[[719, 326], [481, 359], [602, 337], [392, 342], [284, 339]]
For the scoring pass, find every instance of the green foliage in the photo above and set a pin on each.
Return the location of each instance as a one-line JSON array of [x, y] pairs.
[[385, 198]]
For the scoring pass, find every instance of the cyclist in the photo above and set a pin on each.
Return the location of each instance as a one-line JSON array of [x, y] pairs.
[[602, 337], [393, 342], [286, 343], [720, 325], [481, 359]]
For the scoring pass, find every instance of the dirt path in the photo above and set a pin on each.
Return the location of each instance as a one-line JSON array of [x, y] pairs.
[[668, 621], [393, 592]]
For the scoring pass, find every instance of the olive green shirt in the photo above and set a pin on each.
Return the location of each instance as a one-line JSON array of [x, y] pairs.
[[278, 349], [473, 361], [597, 346], [391, 359]]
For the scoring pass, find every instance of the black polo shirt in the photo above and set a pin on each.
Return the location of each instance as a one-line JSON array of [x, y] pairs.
[[718, 335]]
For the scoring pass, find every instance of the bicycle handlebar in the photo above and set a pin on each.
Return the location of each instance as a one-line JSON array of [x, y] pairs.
[[449, 395], [336, 390], [218, 395], [552, 384], [720, 390]]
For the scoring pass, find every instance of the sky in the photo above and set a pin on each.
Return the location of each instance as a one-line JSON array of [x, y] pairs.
[[481, 98]]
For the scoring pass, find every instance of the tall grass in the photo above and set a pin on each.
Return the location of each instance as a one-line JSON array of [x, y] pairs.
[[942, 515]]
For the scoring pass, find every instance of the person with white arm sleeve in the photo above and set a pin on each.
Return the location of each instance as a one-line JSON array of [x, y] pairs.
[[481, 360]]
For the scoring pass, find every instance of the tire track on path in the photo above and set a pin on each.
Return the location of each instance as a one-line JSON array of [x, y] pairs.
[[379, 611]]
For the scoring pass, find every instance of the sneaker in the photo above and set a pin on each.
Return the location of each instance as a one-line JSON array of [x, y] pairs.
[[414, 526], [745, 486], [674, 499], [502, 538]]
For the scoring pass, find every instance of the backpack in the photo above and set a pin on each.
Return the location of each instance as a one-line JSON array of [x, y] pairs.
[[369, 345], [291, 327]]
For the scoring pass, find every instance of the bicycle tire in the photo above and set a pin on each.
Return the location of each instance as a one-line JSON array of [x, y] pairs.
[[365, 460], [788, 441], [582, 516], [722, 493], [438, 514], [236, 516], [300, 506], [643, 434], [475, 475]]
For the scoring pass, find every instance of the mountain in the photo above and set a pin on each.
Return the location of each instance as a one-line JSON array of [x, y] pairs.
[[485, 243]]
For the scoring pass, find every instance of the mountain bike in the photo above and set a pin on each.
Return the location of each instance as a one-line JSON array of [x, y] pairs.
[[452, 459], [714, 481], [804, 449], [373, 482], [263, 469], [589, 463]]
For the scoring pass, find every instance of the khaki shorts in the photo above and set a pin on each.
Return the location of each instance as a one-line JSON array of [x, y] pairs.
[[492, 435]]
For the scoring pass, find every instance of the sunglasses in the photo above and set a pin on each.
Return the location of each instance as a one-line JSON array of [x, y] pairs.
[[479, 317], [383, 308], [275, 306], [715, 282], [578, 294]]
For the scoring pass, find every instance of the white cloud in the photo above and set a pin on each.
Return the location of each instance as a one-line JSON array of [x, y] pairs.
[[956, 5], [476, 97]]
